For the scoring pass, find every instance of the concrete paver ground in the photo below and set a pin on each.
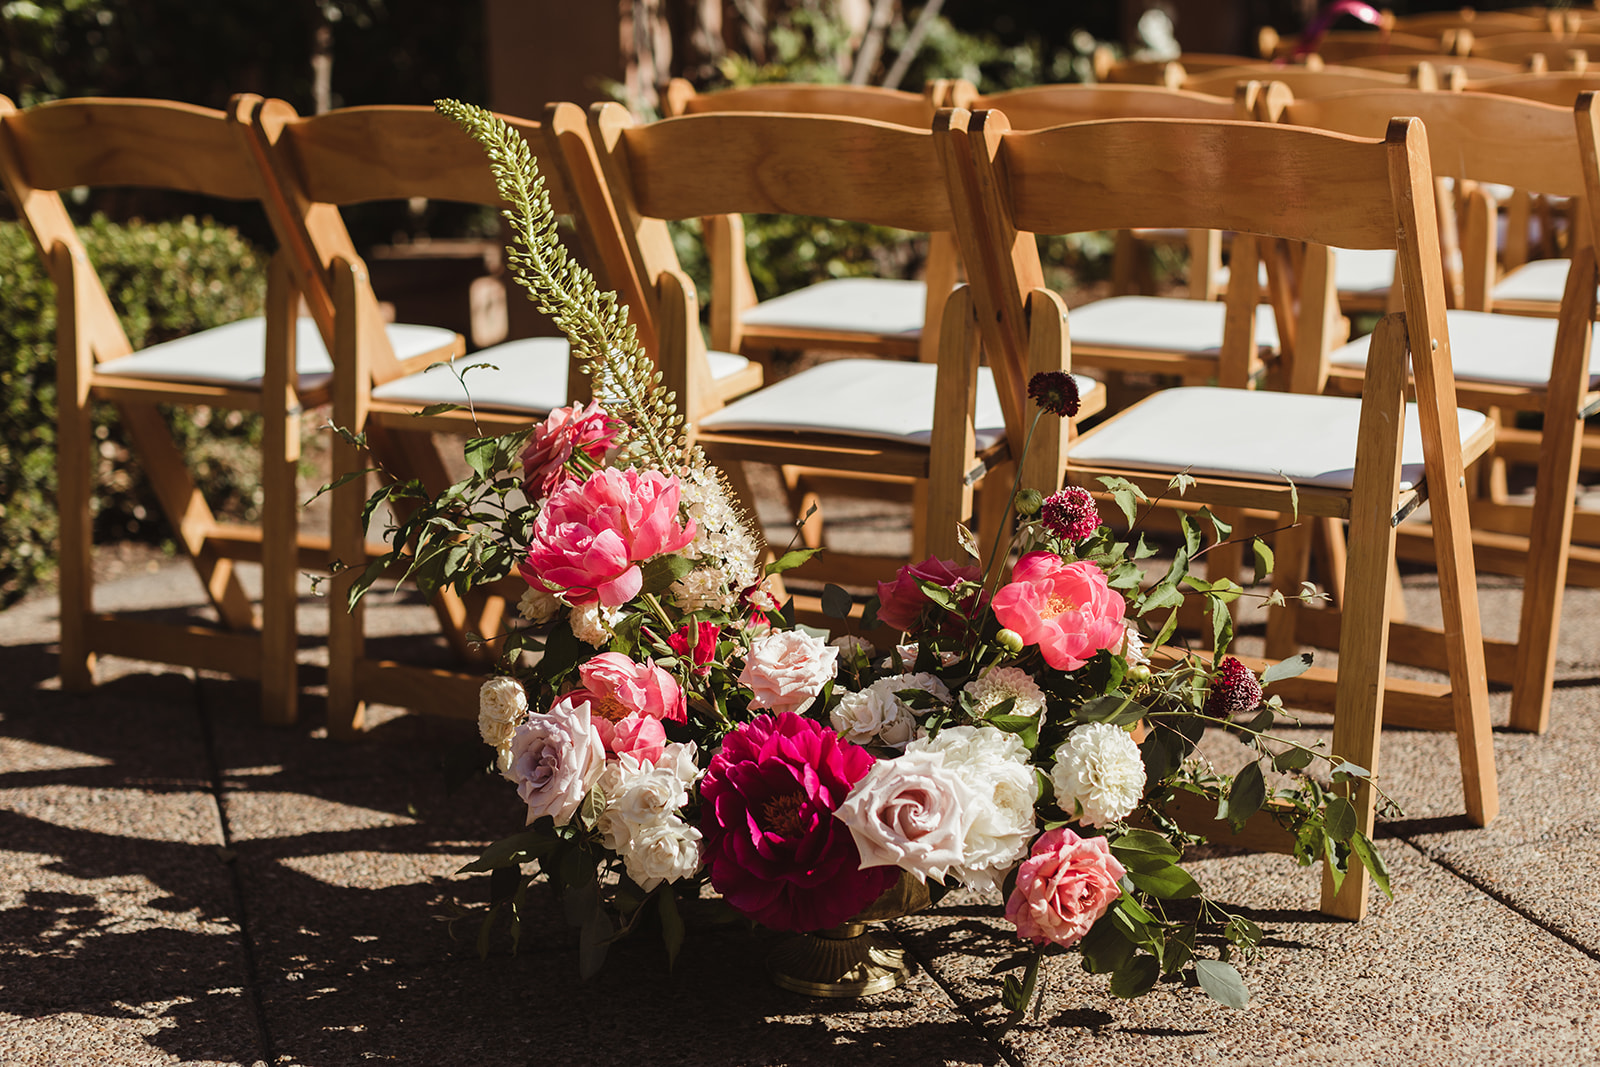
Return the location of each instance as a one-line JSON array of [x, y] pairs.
[[181, 884]]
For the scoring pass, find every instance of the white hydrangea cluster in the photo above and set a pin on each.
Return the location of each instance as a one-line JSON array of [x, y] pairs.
[[1099, 774], [641, 821], [877, 715], [999, 684], [723, 542], [1002, 789]]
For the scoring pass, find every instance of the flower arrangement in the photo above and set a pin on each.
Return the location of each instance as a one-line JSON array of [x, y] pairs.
[[1019, 730]]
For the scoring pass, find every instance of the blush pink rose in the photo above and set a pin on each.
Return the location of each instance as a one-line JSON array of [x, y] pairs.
[[901, 601], [636, 735], [565, 433], [1067, 609], [590, 536], [556, 758], [1063, 887], [912, 813], [786, 669]]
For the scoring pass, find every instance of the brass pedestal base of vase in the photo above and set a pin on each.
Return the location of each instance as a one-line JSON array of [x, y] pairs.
[[843, 962], [847, 961]]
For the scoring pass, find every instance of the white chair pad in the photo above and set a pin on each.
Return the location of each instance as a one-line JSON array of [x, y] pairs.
[[1355, 270], [1162, 324], [1542, 279], [235, 354], [1247, 433], [1504, 349], [527, 375], [847, 305], [877, 398]]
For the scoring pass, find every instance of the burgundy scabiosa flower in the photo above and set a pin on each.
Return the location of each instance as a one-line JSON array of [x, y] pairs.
[[1055, 392], [1234, 690], [772, 845], [1070, 514]]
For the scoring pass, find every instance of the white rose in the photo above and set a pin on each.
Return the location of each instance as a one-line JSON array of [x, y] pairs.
[[911, 649], [592, 623], [911, 812], [994, 766], [537, 605], [877, 712], [1099, 774], [556, 758], [679, 757], [664, 851], [644, 794], [786, 669], [502, 707], [999, 684]]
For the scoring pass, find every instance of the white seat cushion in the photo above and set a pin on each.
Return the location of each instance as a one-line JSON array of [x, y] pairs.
[[1247, 433], [849, 305], [877, 398], [1506, 349], [1355, 270], [1163, 324], [235, 354], [525, 375], [1542, 279]]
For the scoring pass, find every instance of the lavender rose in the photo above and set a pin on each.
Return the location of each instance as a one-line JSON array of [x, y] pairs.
[[556, 758]]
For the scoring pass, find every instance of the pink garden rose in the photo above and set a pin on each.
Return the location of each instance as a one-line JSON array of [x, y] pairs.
[[617, 688], [902, 600], [772, 845], [1067, 609], [590, 536], [556, 758], [1063, 887], [911, 813], [565, 432], [636, 735], [786, 669]]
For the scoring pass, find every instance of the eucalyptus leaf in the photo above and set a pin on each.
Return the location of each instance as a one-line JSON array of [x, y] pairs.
[[1367, 853], [836, 603], [1246, 796], [1104, 948], [1136, 843], [1222, 982], [1339, 821], [1264, 559], [672, 932], [1136, 977], [1293, 759], [594, 939], [1169, 883], [791, 559], [1287, 668]]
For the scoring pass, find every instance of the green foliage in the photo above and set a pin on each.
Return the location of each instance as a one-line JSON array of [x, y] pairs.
[[165, 280]]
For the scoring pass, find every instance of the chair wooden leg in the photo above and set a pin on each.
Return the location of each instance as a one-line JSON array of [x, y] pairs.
[[1364, 626], [74, 478], [1292, 557], [1335, 554], [280, 460], [346, 624], [1550, 533]]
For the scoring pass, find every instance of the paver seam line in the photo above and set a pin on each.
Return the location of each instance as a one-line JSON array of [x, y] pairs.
[[252, 976], [956, 1001], [1496, 895]]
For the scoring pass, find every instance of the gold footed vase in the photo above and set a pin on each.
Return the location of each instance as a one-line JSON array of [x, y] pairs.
[[848, 961]]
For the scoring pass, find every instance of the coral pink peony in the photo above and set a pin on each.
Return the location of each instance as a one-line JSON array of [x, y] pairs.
[[590, 537], [565, 432], [772, 845], [902, 600], [1063, 887], [618, 688], [1067, 609]]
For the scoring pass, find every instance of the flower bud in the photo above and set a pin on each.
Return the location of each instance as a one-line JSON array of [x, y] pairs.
[[1009, 640], [1028, 502], [1138, 674]]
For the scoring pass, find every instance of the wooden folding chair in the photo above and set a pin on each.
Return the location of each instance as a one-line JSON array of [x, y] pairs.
[[1349, 458], [315, 164], [1342, 46], [244, 365], [1504, 363], [880, 316], [1564, 52], [941, 425]]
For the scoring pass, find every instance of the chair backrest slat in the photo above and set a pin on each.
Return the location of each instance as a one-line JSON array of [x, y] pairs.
[[1053, 105], [1218, 175], [147, 143], [863, 101], [824, 166]]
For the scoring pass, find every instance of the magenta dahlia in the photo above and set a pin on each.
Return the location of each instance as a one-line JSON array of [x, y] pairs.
[[1070, 514], [1234, 690], [772, 845]]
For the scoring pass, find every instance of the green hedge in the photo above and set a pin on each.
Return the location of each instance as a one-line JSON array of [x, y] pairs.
[[165, 279]]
